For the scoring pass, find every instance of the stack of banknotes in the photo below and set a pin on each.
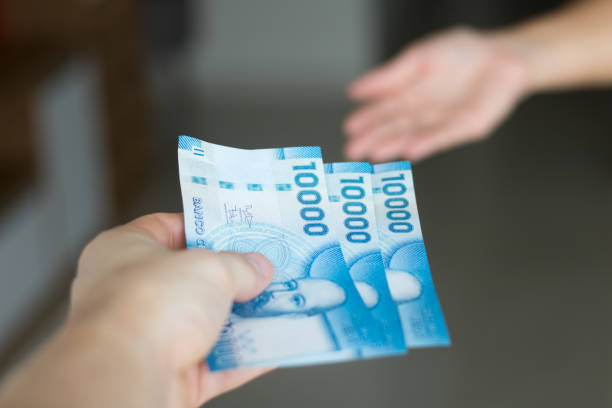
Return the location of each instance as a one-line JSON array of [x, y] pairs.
[[351, 276]]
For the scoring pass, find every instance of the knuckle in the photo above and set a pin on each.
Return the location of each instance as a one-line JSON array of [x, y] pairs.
[[158, 218], [88, 253], [149, 218]]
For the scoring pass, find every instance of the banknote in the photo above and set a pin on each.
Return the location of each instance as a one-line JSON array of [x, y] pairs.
[[404, 256], [275, 202], [350, 193]]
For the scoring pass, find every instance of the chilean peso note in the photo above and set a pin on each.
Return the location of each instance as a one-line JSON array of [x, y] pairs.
[[403, 251], [350, 193], [274, 201]]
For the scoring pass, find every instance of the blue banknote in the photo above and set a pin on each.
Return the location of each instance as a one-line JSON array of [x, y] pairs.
[[275, 202], [350, 193], [404, 256]]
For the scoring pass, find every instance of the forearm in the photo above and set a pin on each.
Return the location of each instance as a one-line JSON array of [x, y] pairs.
[[571, 47], [85, 367]]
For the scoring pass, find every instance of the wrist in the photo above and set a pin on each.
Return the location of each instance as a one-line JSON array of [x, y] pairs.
[[525, 53]]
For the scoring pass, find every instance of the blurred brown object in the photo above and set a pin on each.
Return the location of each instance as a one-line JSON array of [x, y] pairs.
[[17, 163], [36, 38], [63, 23], [21, 71]]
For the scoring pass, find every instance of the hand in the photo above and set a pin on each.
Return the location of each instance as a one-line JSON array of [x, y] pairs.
[[452, 88], [145, 311]]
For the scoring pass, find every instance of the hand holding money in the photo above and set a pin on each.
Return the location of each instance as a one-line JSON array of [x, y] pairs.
[[169, 300], [144, 315], [351, 276], [351, 280]]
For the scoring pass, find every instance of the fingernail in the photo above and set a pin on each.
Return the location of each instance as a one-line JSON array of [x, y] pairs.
[[263, 267]]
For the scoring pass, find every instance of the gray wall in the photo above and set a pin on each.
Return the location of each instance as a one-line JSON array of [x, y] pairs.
[[295, 49]]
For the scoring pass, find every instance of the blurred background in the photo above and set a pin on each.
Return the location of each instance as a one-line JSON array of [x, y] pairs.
[[94, 93]]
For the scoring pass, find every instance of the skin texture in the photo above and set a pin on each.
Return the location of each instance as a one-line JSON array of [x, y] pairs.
[[144, 314], [456, 86]]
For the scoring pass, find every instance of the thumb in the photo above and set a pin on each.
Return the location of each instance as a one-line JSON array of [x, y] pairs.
[[206, 284], [260, 277], [242, 276]]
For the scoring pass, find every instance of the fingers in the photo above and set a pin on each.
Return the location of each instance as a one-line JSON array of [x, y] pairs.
[[415, 140], [245, 275], [450, 89], [165, 229], [213, 281], [415, 131], [434, 141], [191, 292], [216, 280], [380, 136], [248, 273], [399, 71], [364, 145], [491, 101], [390, 148], [368, 116]]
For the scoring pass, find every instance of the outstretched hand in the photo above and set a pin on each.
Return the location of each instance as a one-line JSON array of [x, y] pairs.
[[452, 88]]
